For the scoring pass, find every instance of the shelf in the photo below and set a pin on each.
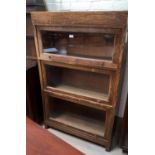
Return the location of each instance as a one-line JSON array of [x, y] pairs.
[[76, 116], [79, 83], [82, 92], [87, 124]]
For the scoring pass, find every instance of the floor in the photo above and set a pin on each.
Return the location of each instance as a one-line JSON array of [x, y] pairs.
[[84, 146]]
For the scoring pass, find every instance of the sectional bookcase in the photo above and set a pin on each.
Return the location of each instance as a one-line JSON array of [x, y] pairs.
[[80, 58]]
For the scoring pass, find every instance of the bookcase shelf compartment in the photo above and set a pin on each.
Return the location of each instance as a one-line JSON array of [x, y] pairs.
[[82, 83], [64, 113]]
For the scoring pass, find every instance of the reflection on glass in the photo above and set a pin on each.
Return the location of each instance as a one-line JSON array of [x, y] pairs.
[[90, 45]]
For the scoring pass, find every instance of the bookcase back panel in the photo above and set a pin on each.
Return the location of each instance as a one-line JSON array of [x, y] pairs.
[[75, 79], [88, 45]]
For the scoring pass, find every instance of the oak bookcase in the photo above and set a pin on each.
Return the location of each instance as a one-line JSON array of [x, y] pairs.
[[80, 57]]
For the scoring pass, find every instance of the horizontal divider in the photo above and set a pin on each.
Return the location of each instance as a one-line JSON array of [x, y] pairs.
[[79, 29], [85, 62], [78, 99], [77, 132]]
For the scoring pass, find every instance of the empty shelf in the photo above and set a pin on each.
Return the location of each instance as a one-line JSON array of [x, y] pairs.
[[83, 92], [87, 124]]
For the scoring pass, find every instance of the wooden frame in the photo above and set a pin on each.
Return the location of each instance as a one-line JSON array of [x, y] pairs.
[[100, 103], [80, 22], [73, 60]]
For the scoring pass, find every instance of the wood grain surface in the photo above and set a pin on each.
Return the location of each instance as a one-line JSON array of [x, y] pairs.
[[102, 19], [86, 66]]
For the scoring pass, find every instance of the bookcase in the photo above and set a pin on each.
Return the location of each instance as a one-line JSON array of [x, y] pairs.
[[80, 56], [34, 108]]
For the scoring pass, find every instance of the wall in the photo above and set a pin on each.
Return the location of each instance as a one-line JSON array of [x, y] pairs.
[[86, 5], [124, 91]]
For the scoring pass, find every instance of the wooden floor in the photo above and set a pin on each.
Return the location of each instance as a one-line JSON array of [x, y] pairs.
[[40, 142]]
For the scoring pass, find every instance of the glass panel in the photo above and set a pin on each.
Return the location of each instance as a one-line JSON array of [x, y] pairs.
[[89, 45]]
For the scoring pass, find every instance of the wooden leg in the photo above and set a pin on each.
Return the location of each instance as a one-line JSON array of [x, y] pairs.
[[108, 147], [108, 128], [125, 149], [46, 109]]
